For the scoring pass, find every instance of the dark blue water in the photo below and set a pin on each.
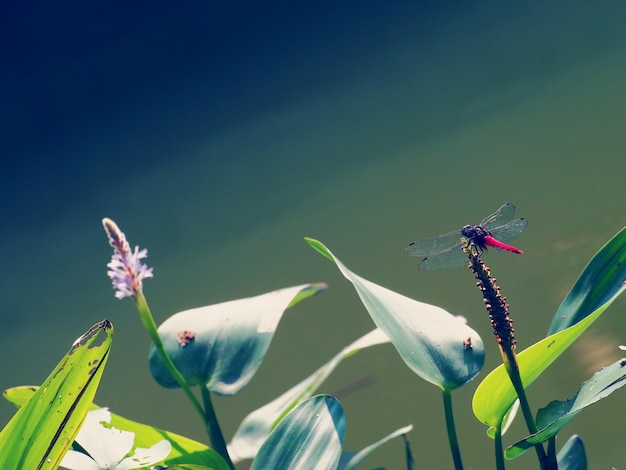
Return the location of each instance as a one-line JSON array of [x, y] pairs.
[[219, 136]]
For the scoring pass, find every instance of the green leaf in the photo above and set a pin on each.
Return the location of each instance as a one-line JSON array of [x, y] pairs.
[[601, 281], [495, 394], [557, 414], [436, 345], [310, 436], [255, 427], [360, 456], [40, 433], [19, 395], [184, 450], [572, 455], [221, 346]]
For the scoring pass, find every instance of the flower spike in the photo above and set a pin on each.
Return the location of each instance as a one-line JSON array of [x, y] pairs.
[[125, 269], [494, 301]]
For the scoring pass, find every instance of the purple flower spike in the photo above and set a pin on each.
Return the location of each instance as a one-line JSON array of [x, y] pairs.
[[125, 269]]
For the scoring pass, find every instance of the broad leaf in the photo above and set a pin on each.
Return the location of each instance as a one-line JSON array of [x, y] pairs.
[[221, 346], [357, 458], [255, 427], [40, 433], [572, 455], [554, 417], [436, 345], [495, 394], [601, 280], [183, 449], [310, 436]]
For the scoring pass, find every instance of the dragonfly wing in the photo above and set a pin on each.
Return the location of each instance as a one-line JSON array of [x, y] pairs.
[[500, 217], [453, 258], [506, 233], [435, 245]]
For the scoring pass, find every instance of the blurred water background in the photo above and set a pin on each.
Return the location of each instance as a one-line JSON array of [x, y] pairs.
[[218, 136]]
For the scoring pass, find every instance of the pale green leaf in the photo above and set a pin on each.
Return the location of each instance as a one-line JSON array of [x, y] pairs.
[[436, 345], [255, 427], [310, 436], [221, 346], [572, 455]]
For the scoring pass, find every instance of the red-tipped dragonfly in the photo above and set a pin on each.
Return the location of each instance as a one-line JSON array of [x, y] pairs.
[[445, 251]]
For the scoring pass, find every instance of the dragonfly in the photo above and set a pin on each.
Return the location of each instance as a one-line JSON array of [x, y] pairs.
[[445, 251]]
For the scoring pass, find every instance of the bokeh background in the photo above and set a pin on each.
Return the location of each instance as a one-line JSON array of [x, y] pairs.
[[219, 135]]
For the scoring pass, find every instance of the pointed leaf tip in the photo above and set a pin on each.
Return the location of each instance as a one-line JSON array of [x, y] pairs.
[[434, 344], [319, 247], [600, 282], [221, 346]]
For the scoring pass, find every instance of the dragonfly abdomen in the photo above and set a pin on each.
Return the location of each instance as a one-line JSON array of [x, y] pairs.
[[489, 240]]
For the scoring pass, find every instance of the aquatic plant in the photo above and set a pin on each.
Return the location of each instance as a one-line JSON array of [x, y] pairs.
[[219, 348]]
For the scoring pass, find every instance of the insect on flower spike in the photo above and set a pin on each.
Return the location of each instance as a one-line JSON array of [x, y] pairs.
[[444, 251], [126, 270]]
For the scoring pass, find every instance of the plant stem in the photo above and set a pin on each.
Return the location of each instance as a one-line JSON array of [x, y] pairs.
[[151, 328], [215, 431], [510, 363], [499, 453], [208, 413], [552, 460], [451, 428]]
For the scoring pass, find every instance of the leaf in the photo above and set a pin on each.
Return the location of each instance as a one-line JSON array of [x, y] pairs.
[[360, 456], [495, 394], [183, 449], [255, 427], [557, 414], [601, 281], [19, 395], [572, 455], [221, 346], [436, 345], [42, 430], [310, 436]]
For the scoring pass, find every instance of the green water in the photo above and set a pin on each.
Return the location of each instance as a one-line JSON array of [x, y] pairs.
[[426, 132]]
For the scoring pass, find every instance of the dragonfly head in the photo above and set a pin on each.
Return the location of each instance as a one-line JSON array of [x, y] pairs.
[[475, 234], [468, 231]]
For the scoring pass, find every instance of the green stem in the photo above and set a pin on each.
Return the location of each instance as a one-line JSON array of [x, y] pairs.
[[151, 328], [208, 413], [499, 453], [552, 462], [215, 431], [510, 363], [451, 428]]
